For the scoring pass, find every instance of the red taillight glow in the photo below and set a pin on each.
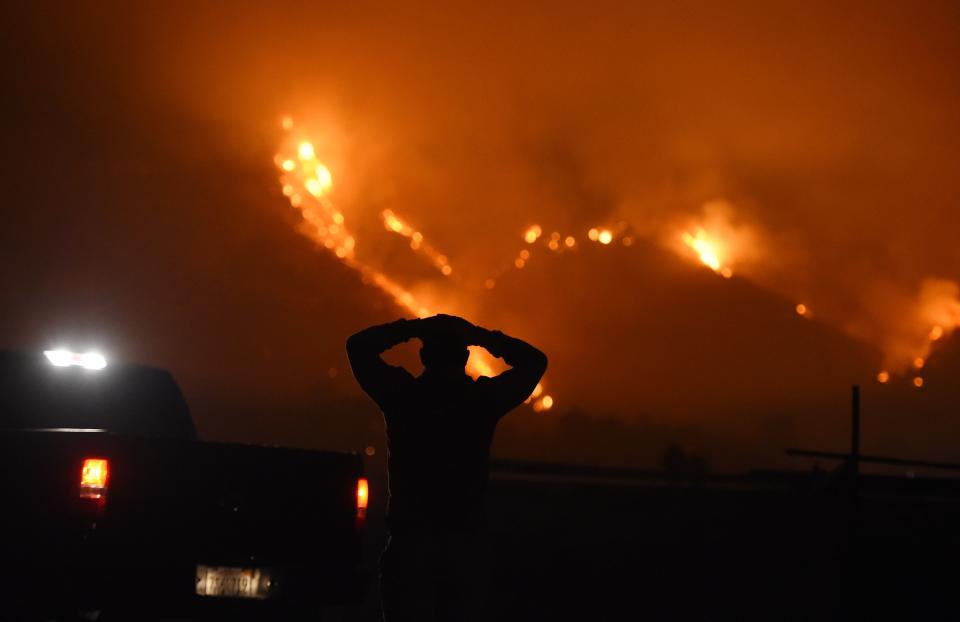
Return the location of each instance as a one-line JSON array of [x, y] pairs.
[[363, 496], [93, 478]]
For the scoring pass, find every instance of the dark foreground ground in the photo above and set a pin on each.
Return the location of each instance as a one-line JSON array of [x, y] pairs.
[[578, 544], [575, 544]]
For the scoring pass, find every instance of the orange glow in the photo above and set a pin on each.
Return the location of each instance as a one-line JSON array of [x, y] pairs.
[[801, 309], [918, 382], [919, 362], [288, 165], [593, 234], [605, 237], [363, 496], [936, 333], [524, 254], [570, 241], [93, 477], [326, 225], [883, 377], [553, 245], [287, 123], [704, 249], [532, 234], [547, 402], [519, 263]]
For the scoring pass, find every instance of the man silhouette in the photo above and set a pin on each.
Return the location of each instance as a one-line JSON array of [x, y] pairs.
[[439, 429]]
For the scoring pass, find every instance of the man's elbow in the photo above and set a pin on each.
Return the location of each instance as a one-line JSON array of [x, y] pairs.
[[354, 346], [539, 362]]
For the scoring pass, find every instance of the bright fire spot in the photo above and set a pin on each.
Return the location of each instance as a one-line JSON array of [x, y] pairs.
[[288, 165], [570, 241], [801, 309], [547, 402], [919, 362], [703, 248], [605, 237], [918, 382], [324, 177], [532, 234], [707, 251], [593, 234], [936, 333], [883, 377], [305, 151]]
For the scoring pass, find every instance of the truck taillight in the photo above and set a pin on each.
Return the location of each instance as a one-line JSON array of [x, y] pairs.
[[363, 496], [93, 478]]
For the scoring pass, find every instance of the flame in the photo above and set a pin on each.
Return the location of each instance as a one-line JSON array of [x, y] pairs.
[[914, 332], [393, 223], [308, 184], [709, 251]]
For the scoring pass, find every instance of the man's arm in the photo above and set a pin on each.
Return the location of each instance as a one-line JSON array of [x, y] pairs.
[[527, 366], [378, 379]]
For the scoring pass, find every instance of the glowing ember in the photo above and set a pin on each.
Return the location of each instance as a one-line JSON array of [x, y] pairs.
[[801, 309], [918, 382], [883, 377], [532, 234], [393, 223]]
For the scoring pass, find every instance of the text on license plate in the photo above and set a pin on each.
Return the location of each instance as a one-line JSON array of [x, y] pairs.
[[232, 582]]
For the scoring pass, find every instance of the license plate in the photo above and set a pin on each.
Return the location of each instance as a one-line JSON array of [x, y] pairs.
[[228, 582]]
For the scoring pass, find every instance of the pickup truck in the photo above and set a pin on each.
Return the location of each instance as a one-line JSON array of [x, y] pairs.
[[111, 504]]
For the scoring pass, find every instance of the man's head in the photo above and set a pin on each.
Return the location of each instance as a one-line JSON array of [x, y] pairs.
[[445, 340], [442, 354]]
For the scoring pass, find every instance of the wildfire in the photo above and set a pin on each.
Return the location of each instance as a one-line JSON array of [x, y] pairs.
[[923, 322], [708, 251], [308, 184], [715, 239]]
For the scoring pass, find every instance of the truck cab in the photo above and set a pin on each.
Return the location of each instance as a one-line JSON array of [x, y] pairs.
[[113, 504]]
